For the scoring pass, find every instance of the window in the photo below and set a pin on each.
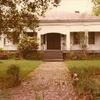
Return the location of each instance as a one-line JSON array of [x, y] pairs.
[[91, 38], [7, 41], [76, 38]]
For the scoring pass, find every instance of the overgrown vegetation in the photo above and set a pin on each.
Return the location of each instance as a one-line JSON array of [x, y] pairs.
[[79, 55], [88, 72], [26, 47], [21, 54], [3, 55]]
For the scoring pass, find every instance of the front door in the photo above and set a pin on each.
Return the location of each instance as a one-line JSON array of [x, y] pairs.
[[54, 41]]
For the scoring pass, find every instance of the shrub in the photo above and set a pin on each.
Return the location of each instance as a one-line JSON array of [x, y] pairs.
[[74, 55], [1, 50], [3, 55], [26, 47], [9, 55], [13, 55], [79, 55], [13, 76]]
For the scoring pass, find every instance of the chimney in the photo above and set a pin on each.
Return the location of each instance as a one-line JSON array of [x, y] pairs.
[[77, 12]]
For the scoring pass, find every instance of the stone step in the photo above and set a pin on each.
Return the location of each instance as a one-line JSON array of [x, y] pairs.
[[53, 55], [97, 95], [51, 51], [53, 60]]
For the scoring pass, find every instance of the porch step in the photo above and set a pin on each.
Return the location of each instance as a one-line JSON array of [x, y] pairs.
[[54, 60], [97, 95], [52, 55]]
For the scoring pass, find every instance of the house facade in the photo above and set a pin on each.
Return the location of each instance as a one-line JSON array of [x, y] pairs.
[[61, 32]]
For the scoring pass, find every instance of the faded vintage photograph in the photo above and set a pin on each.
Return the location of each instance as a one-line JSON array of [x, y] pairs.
[[49, 49]]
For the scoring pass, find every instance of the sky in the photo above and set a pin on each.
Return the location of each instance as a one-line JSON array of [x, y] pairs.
[[83, 6], [75, 5]]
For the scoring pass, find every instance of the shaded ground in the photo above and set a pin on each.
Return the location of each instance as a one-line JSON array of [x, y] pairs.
[[50, 81]]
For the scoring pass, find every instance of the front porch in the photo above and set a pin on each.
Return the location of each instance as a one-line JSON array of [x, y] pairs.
[[53, 41], [52, 45], [71, 41]]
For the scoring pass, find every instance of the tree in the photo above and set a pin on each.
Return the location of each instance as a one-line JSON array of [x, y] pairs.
[[83, 43], [15, 15], [96, 8], [27, 46]]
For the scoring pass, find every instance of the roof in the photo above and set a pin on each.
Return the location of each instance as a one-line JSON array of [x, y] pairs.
[[69, 17], [61, 14]]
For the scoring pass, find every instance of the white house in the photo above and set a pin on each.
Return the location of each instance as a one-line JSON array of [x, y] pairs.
[[59, 29]]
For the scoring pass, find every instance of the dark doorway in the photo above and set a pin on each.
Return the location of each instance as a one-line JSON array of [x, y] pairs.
[[54, 41]]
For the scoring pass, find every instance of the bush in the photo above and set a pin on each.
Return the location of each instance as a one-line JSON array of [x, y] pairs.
[[9, 55], [79, 55], [74, 55], [13, 55], [1, 50], [13, 76], [3, 55], [26, 47]]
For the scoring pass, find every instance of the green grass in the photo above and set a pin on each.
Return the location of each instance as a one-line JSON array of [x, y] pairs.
[[88, 73], [84, 63], [26, 66]]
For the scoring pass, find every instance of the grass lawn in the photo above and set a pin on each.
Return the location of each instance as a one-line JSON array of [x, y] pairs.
[[88, 73], [26, 66]]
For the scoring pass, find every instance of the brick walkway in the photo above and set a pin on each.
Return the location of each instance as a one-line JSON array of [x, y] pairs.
[[50, 81]]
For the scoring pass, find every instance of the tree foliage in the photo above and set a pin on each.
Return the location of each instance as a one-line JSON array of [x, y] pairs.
[[15, 15], [26, 46], [96, 7]]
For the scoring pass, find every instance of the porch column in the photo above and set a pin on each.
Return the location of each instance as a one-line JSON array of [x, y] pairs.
[[86, 35], [68, 41], [2, 41], [39, 41]]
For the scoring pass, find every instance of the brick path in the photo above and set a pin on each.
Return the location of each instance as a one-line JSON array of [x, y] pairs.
[[50, 81]]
